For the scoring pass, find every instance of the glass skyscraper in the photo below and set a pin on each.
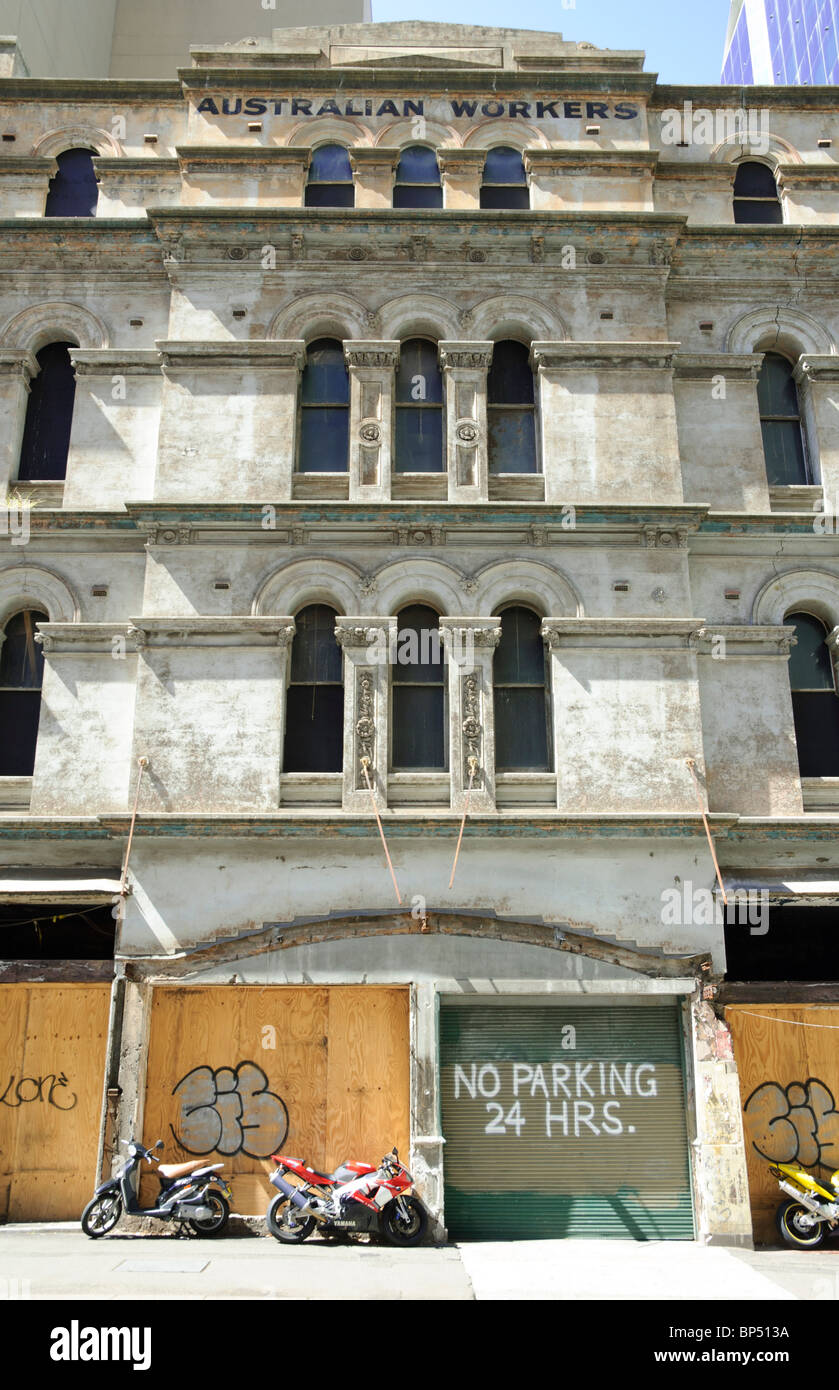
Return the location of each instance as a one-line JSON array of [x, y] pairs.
[[782, 42]]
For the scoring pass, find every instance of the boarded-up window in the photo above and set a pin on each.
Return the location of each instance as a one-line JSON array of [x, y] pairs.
[[419, 704], [314, 731], [21, 674], [419, 409], [815, 704], [780, 423], [520, 690], [49, 416], [511, 410], [73, 191], [325, 410]]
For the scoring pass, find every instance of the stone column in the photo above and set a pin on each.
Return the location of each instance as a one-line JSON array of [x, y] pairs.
[[373, 175], [817, 378], [465, 366], [460, 173], [366, 643], [718, 420], [720, 1175], [371, 366], [469, 645], [426, 1162], [608, 418], [228, 411], [116, 414], [17, 368]]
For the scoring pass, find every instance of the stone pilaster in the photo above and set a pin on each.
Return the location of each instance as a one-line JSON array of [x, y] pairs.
[[465, 366], [366, 644], [115, 414], [817, 378], [371, 368], [469, 644], [17, 368], [373, 175], [460, 173], [720, 1175]]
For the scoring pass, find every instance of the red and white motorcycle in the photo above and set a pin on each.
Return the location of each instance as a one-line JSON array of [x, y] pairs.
[[357, 1198]]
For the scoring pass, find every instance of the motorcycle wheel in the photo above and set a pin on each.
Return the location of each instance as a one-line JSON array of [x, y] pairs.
[[215, 1224], [794, 1233], [293, 1231], [397, 1230], [101, 1215]]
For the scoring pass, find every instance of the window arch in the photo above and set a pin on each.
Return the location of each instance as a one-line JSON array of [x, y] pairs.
[[49, 416], [504, 183], [21, 677], [511, 410], [314, 727], [521, 694], [417, 182], [756, 194], [418, 721], [815, 703], [330, 181], [73, 190], [324, 409], [780, 423], [419, 409]]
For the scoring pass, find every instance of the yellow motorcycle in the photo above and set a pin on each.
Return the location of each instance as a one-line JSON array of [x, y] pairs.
[[812, 1213]]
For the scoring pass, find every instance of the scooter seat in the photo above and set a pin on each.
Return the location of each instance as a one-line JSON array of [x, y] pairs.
[[180, 1170]]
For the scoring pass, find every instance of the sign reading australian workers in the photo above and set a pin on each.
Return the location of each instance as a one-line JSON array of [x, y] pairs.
[[459, 108]]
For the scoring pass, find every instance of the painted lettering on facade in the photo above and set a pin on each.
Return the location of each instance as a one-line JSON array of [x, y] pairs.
[[574, 1099], [472, 109]]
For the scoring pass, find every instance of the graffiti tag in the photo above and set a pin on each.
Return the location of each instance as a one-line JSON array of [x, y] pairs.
[[797, 1123], [229, 1111], [32, 1088]]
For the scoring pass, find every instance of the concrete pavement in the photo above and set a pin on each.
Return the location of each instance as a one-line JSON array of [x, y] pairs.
[[44, 1262]]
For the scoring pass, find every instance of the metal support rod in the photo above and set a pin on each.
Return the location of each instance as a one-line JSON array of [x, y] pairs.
[[142, 764], [365, 763], [472, 764], [691, 762]]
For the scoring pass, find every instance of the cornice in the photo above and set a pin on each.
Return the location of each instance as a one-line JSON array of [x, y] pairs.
[[278, 354], [105, 361], [576, 356], [199, 156], [737, 366], [491, 83], [592, 633], [79, 639], [235, 631], [743, 640]]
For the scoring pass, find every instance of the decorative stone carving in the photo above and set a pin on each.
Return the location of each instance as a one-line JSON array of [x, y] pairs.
[[365, 724], [537, 249], [656, 538], [237, 253], [660, 253], [297, 249], [476, 255], [478, 357], [357, 636], [418, 248], [467, 431], [370, 431], [358, 253], [471, 726]]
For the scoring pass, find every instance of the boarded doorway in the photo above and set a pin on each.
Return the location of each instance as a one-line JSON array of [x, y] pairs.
[[52, 1060], [237, 1072]]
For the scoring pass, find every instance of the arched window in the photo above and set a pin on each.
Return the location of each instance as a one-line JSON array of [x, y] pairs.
[[324, 409], [780, 423], [419, 693], [330, 183], [21, 675], [520, 686], [419, 409], [49, 416], [511, 410], [418, 179], [756, 194], [73, 191], [505, 182], [314, 726], [815, 703]]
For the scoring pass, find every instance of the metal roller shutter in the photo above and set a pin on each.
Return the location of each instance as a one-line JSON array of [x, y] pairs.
[[564, 1121]]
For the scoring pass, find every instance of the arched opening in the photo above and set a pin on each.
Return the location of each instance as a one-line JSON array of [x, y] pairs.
[[314, 727], [504, 182], [418, 720], [21, 677], [73, 190], [49, 416], [324, 410], [756, 194], [419, 409], [417, 183], [815, 703], [780, 423], [511, 410], [521, 694], [330, 181]]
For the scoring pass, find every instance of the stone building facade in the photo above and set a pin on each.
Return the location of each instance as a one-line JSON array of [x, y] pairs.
[[511, 391]]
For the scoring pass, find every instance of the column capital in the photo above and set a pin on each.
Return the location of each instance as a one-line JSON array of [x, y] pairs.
[[371, 352], [476, 355], [482, 632], [18, 362], [461, 161], [368, 157], [361, 633]]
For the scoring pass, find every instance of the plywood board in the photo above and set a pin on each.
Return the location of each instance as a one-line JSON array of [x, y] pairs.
[[236, 1072], [788, 1063], [52, 1058]]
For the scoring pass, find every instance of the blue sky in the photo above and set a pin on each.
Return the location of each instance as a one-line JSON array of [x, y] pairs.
[[683, 40]]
